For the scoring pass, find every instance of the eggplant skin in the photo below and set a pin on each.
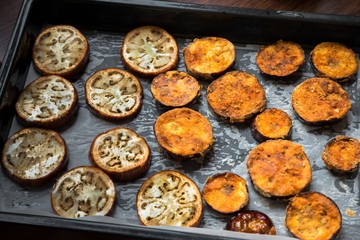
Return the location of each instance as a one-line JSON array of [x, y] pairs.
[[334, 60], [175, 89], [236, 96], [312, 215], [272, 123], [320, 101], [251, 221], [183, 134], [341, 156], [279, 169], [226, 192], [280, 59], [209, 57]]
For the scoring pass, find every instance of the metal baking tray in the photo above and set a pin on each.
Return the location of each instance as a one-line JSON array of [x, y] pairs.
[[105, 22]]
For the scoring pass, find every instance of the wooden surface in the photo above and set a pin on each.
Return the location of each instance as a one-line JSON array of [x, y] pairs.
[[9, 10]]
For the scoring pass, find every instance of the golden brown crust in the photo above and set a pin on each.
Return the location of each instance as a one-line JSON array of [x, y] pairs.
[[149, 51], [279, 168], [184, 133], [175, 89], [83, 191], [342, 155], [334, 60], [114, 94], [169, 198], [33, 156], [60, 50], [121, 153], [209, 57], [236, 96], [320, 100], [280, 59], [312, 215], [226, 192], [49, 102], [272, 123]]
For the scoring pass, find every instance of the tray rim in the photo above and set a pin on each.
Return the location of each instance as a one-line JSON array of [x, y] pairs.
[[124, 229]]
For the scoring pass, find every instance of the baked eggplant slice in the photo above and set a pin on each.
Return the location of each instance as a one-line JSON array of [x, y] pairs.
[[236, 96], [149, 51], [313, 215], [272, 123], [60, 50], [280, 59], [121, 153], [209, 57], [169, 198], [320, 101], [279, 169], [342, 155], [334, 60], [33, 156], [226, 192], [184, 133], [48, 102], [83, 191], [251, 221], [114, 94], [175, 89]]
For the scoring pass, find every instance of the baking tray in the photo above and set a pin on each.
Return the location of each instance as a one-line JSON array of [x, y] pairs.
[[105, 23]]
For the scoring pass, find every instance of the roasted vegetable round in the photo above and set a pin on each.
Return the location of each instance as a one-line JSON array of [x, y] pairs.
[[175, 89], [209, 57], [169, 198], [312, 215], [334, 60], [342, 155], [280, 59], [272, 123], [236, 96], [184, 133], [320, 101], [249, 221], [279, 168], [226, 192]]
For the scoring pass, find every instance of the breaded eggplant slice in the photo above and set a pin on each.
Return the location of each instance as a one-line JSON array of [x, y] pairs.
[[61, 50], [114, 94], [83, 191], [279, 169], [48, 102], [280, 59], [175, 89], [33, 156], [236, 96], [169, 198], [334, 60], [184, 133], [209, 57], [226, 192], [251, 221], [121, 153], [149, 51], [320, 101], [312, 215], [272, 123], [342, 155]]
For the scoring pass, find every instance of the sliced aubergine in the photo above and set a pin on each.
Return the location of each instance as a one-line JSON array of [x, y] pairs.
[[313, 215], [342, 155], [320, 101], [226, 192], [272, 123]]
